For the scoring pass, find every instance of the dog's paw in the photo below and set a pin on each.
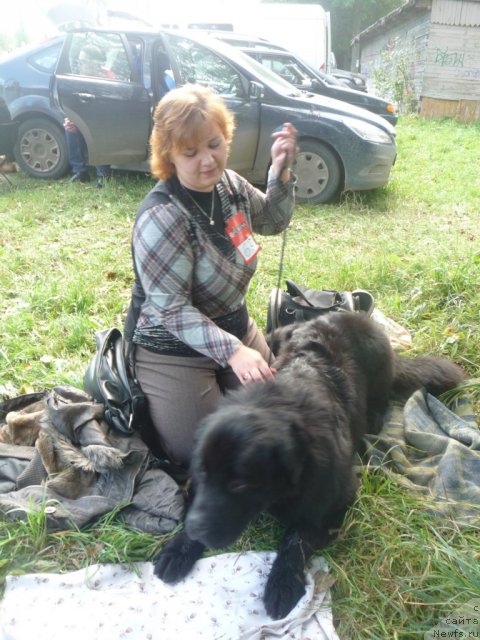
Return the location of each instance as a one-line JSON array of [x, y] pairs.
[[282, 592], [176, 559]]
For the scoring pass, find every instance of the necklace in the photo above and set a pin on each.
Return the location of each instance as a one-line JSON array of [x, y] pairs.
[[210, 219]]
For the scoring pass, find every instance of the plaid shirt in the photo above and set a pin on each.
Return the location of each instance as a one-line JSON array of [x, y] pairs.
[[187, 278]]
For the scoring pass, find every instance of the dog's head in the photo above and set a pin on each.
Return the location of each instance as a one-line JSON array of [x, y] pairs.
[[245, 459]]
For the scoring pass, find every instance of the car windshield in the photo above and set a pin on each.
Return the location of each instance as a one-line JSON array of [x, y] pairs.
[[183, 48], [263, 74], [286, 67]]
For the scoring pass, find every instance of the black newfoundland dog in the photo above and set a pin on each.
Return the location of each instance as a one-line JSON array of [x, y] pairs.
[[287, 446]]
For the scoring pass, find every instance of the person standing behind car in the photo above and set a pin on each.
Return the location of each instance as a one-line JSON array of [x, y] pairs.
[[7, 139], [194, 255], [90, 63]]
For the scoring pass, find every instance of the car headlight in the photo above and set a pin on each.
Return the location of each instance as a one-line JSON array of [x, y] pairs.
[[368, 131]]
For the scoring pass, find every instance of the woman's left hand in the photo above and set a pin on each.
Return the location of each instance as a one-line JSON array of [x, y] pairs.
[[284, 150], [249, 366]]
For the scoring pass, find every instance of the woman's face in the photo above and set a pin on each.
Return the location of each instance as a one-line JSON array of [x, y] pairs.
[[199, 165]]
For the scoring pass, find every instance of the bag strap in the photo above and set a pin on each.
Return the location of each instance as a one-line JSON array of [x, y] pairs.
[[319, 298], [294, 290]]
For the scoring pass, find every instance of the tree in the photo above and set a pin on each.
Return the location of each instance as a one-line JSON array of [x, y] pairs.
[[349, 17], [5, 42]]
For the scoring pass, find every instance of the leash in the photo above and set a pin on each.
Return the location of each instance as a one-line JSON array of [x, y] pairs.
[[280, 270], [277, 292]]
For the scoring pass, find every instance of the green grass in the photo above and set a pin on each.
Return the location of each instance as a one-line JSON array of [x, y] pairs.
[[65, 271]]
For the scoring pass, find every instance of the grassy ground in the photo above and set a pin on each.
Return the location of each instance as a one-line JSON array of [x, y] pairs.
[[65, 271]]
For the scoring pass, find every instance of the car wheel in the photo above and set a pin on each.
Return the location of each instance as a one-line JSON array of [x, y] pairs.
[[41, 150], [318, 171]]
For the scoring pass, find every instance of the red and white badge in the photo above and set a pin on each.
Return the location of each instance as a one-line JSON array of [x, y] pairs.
[[241, 237]]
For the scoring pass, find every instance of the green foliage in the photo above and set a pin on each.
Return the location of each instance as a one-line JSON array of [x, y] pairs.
[[12, 40], [393, 77], [349, 17], [65, 271]]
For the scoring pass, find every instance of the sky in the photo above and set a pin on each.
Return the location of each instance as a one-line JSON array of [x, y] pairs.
[[25, 14], [30, 14]]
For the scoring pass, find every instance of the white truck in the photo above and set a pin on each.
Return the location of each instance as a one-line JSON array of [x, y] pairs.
[[303, 29]]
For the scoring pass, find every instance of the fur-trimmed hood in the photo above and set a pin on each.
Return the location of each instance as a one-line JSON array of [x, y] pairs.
[[57, 446]]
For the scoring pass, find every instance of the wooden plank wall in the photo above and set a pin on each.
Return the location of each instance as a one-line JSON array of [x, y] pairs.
[[446, 56], [452, 69], [451, 82], [461, 110], [464, 13]]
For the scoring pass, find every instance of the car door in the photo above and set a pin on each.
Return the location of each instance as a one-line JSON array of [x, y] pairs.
[[193, 62], [111, 107]]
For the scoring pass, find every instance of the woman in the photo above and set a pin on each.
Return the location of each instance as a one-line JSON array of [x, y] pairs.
[[194, 255]]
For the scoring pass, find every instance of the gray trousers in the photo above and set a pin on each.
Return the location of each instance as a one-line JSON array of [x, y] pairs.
[[182, 390]]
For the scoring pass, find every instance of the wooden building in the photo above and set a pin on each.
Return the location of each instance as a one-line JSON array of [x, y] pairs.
[[441, 40]]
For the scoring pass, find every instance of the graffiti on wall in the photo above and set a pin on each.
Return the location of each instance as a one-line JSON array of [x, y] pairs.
[[446, 58]]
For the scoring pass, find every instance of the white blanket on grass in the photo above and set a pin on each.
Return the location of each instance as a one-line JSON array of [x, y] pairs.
[[220, 599]]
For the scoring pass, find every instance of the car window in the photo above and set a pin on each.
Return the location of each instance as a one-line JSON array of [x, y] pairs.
[[286, 68], [46, 59], [197, 64], [102, 55]]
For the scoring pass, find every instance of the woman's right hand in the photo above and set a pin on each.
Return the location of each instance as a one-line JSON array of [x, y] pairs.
[[249, 366], [284, 150]]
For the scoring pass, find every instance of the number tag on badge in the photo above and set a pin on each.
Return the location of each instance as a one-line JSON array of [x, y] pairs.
[[241, 237]]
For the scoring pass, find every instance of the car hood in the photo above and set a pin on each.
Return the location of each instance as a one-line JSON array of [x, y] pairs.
[[345, 93], [304, 116], [276, 85], [341, 108]]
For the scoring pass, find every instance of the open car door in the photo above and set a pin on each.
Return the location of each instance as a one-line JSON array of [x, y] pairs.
[[108, 102]]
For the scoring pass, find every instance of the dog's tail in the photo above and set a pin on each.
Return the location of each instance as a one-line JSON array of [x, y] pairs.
[[437, 375]]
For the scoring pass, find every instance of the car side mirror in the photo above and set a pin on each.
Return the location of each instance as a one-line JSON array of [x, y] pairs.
[[256, 91]]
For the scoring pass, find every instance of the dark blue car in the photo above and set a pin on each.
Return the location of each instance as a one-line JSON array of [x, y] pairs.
[[294, 70], [25, 79], [342, 148]]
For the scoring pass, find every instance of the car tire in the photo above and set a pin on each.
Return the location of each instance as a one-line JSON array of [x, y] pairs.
[[41, 149], [319, 173]]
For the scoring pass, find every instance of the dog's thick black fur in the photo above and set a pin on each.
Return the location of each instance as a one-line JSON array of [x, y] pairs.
[[287, 446]]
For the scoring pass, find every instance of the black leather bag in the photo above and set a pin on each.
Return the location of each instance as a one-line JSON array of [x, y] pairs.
[[108, 380], [298, 304]]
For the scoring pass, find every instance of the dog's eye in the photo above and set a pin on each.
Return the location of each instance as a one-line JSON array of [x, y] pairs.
[[237, 486]]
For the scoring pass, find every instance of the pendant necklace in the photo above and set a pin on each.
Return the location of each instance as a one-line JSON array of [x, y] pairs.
[[210, 219]]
